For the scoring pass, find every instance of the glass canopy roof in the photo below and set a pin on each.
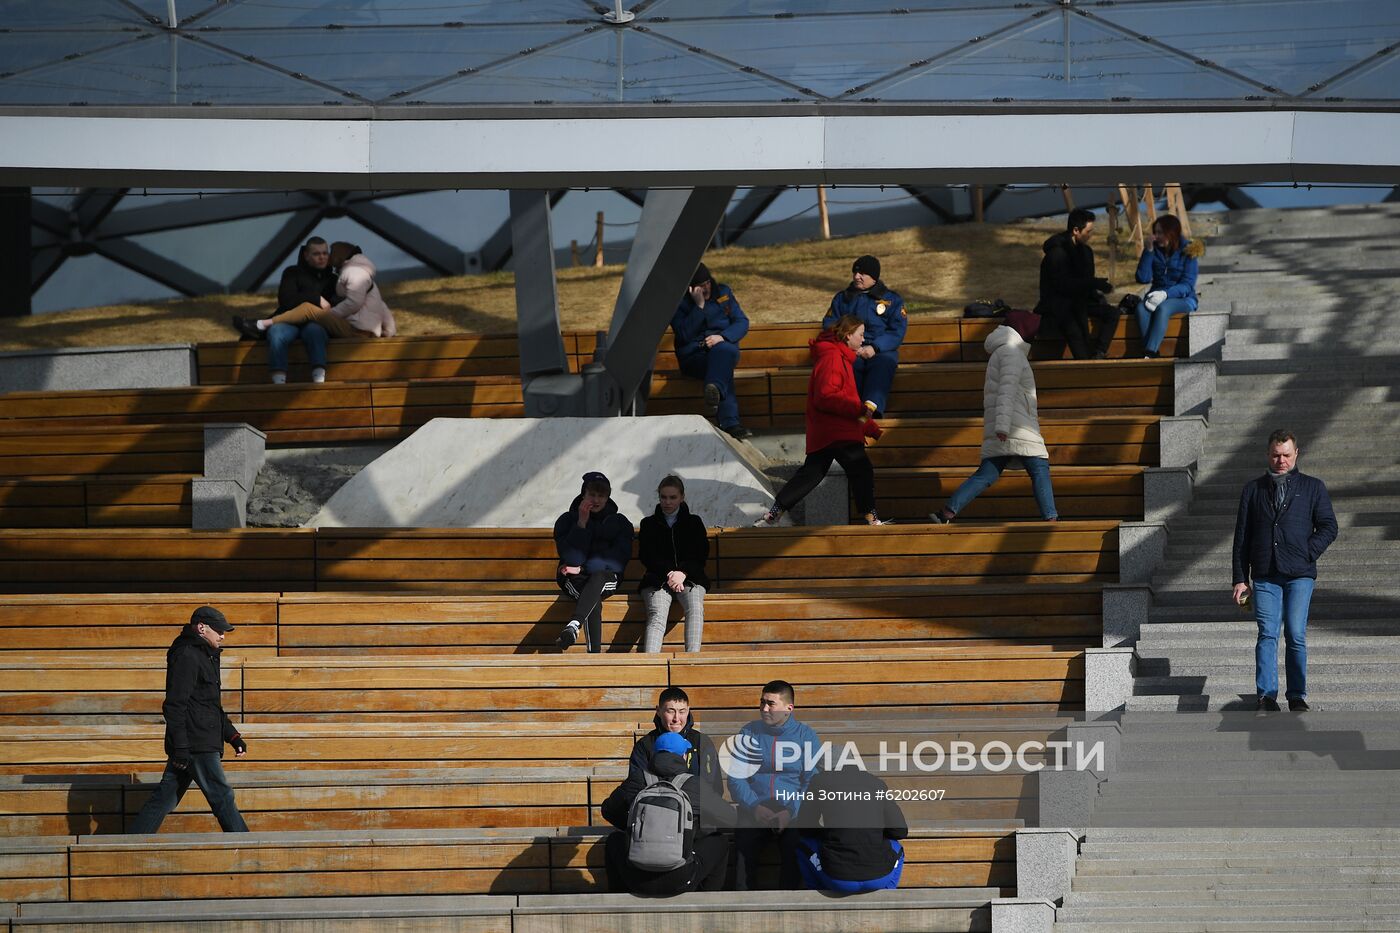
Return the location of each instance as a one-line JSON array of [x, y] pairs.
[[267, 53]]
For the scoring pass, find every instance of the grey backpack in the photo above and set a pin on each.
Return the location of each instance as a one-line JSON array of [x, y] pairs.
[[659, 824]]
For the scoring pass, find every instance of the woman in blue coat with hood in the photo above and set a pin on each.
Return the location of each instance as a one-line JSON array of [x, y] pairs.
[[1168, 268]]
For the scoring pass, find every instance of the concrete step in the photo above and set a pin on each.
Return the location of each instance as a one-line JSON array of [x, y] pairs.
[[1074, 925], [1258, 913], [1237, 702]]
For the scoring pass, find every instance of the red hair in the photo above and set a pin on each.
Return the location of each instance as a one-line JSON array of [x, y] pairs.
[[1170, 227]]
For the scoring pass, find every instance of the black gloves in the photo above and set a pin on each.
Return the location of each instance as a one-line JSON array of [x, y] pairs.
[[180, 762], [238, 744], [1103, 285]]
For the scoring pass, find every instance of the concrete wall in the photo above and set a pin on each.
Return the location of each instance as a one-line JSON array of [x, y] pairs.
[[78, 368]]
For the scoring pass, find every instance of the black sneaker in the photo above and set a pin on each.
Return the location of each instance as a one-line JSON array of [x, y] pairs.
[[247, 329], [1267, 705], [939, 517], [712, 399], [1298, 705], [1099, 355], [566, 638], [737, 431]]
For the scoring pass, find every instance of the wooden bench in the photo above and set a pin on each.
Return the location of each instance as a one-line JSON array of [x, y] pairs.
[[33, 869], [1103, 441], [67, 627], [157, 501], [767, 346], [944, 910], [449, 862], [1106, 493], [778, 397], [552, 689], [38, 628], [288, 415], [524, 560], [381, 360]]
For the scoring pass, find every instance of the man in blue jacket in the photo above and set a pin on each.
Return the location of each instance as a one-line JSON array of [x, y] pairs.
[[1284, 524], [882, 313], [770, 763], [708, 325], [594, 541]]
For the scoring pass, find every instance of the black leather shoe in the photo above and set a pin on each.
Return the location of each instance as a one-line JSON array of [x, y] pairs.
[[738, 432], [713, 397], [1298, 705], [248, 329], [1267, 705]]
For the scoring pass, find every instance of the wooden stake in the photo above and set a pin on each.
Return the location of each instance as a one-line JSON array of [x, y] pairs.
[[1176, 203], [977, 206], [598, 253], [1151, 204], [1069, 197], [821, 212], [1112, 239], [574, 254], [1133, 219]]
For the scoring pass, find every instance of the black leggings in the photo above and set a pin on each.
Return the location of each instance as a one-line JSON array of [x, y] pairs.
[[588, 591], [814, 469]]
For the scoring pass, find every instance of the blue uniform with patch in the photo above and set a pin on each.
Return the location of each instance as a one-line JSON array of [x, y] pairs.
[[882, 313], [691, 324]]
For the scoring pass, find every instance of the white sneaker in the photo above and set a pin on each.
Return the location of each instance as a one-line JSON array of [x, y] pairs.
[[769, 519], [279, 379], [318, 374]]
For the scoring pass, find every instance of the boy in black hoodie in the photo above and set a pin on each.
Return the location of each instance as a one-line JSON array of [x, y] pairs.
[[709, 850], [673, 548], [849, 833], [196, 726], [594, 542], [1070, 293]]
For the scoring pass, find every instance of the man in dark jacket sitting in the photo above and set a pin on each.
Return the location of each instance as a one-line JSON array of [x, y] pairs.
[[673, 714], [1070, 293], [594, 542], [850, 833], [708, 325], [310, 281], [1284, 524], [707, 851], [196, 726]]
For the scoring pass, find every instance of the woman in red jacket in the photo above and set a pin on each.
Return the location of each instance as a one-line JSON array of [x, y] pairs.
[[838, 424]]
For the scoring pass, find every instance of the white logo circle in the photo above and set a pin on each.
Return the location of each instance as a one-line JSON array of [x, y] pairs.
[[740, 756]]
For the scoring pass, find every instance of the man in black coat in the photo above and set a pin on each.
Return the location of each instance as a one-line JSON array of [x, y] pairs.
[[1284, 524], [673, 714], [196, 726], [850, 833], [1070, 293]]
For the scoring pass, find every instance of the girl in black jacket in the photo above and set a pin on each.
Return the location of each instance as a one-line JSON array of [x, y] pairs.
[[673, 548]]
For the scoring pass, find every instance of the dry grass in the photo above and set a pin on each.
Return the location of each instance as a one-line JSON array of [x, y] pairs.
[[936, 269]]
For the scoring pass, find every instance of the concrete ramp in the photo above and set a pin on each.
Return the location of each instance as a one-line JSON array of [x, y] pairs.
[[522, 472]]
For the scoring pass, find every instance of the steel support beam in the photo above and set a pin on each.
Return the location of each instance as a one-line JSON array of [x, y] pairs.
[[497, 250], [154, 266], [536, 296], [676, 226], [261, 267], [432, 251], [927, 199], [15, 225], [746, 213]]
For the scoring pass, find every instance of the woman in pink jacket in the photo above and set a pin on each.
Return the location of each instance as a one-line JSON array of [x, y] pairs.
[[360, 312]]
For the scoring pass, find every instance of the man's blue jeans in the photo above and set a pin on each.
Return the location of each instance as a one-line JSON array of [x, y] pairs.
[[716, 365], [1153, 324], [875, 378], [280, 337], [205, 769], [1282, 602], [990, 471]]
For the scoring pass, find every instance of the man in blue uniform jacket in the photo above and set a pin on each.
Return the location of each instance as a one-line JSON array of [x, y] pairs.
[[882, 313], [708, 325]]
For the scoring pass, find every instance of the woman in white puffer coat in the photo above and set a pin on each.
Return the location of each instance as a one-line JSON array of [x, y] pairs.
[[1010, 421]]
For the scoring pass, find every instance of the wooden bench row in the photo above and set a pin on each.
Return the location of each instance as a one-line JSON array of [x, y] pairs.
[[408, 863], [778, 397], [524, 560], [347, 412], [554, 688], [946, 340], [101, 501], [299, 624]]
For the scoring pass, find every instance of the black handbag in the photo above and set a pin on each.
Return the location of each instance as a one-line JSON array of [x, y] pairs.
[[984, 308]]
